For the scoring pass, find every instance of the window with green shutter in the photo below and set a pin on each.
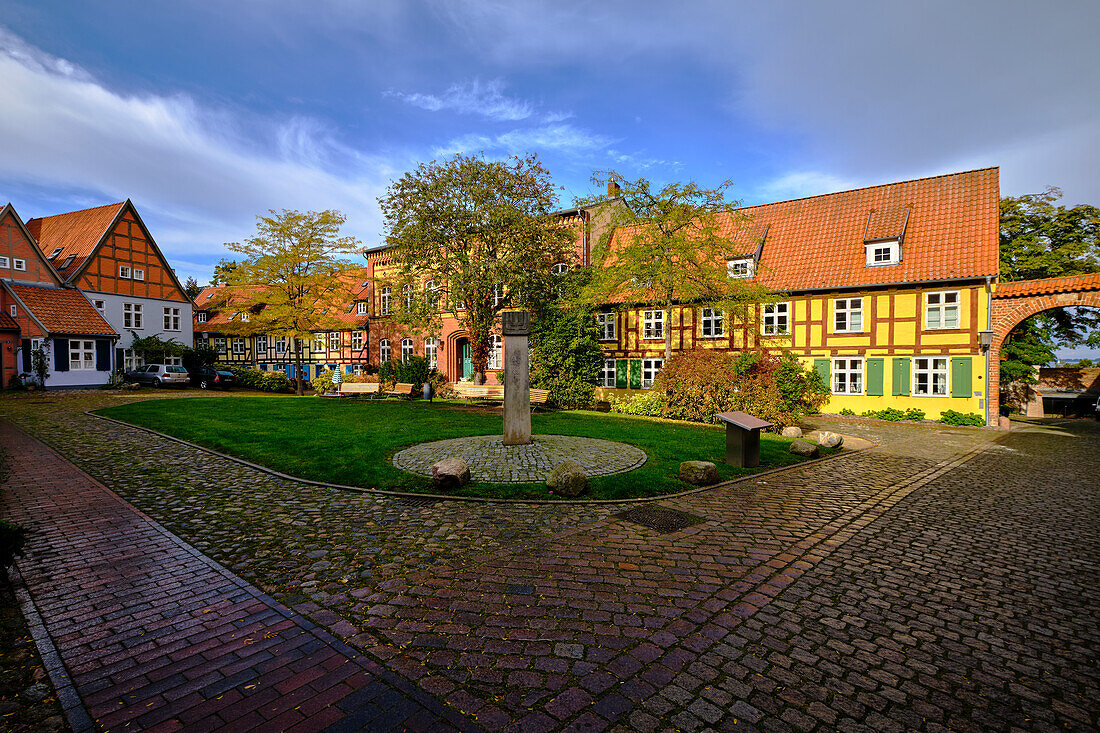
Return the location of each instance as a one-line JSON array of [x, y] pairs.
[[874, 377], [822, 367], [635, 373], [621, 374], [961, 376], [901, 376]]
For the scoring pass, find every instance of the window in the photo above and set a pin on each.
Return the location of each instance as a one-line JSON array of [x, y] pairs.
[[431, 351], [261, 344], [280, 345], [238, 346], [653, 324], [406, 349], [431, 294], [123, 271], [318, 342], [5, 262], [176, 361], [607, 374], [132, 315], [848, 376], [361, 308], [20, 264], [650, 367], [941, 310], [219, 344], [930, 376], [13, 310], [139, 274], [171, 319], [132, 360], [202, 316], [742, 267], [712, 323], [883, 253], [357, 340], [384, 301], [848, 315], [776, 319], [384, 350], [245, 316], [496, 346], [81, 355], [334, 340], [605, 326], [498, 294], [68, 261], [55, 253], [407, 296], [560, 269], [99, 305]]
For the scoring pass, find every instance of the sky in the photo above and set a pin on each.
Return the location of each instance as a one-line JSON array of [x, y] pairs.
[[207, 114]]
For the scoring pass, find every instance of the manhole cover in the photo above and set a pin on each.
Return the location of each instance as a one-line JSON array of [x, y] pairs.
[[659, 518], [418, 501]]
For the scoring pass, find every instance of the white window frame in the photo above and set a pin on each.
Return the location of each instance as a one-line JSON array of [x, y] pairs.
[[361, 308], [559, 269], [776, 319], [605, 326], [139, 274], [19, 264], [930, 371], [650, 369], [741, 268], [334, 341], [607, 374], [848, 375], [171, 319], [406, 349], [653, 325], [407, 292], [133, 316], [496, 351], [431, 294], [712, 323], [886, 252], [81, 355], [261, 344], [5, 262], [431, 351], [100, 305], [124, 272], [843, 311], [936, 302], [173, 361], [498, 293], [201, 315], [384, 300], [319, 341], [384, 352], [239, 346], [357, 340], [13, 310], [132, 360], [220, 345], [56, 252], [280, 345]]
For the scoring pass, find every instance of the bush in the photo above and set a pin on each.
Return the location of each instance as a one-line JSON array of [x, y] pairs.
[[415, 371], [698, 384], [847, 411], [441, 387], [12, 538], [386, 373], [362, 378], [644, 403], [914, 414], [565, 355], [15, 382], [322, 383], [953, 417], [256, 379]]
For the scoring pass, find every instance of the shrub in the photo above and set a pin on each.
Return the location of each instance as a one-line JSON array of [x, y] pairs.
[[914, 414], [953, 417], [847, 411], [414, 370], [643, 403], [386, 373], [362, 378], [322, 383], [256, 379], [697, 384], [442, 388], [12, 538], [15, 382], [565, 355]]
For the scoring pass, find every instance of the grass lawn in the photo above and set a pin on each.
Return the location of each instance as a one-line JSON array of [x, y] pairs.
[[350, 441]]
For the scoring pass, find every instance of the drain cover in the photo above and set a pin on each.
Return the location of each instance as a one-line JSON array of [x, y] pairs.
[[417, 501], [659, 518]]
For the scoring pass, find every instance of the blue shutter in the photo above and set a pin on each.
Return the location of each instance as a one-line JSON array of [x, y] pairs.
[[102, 355], [60, 355]]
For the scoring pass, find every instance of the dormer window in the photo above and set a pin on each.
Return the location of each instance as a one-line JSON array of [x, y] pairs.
[[361, 308], [742, 267], [68, 261], [202, 316], [55, 253], [884, 252]]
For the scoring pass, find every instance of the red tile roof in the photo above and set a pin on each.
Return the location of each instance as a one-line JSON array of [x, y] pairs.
[[1067, 284], [77, 233], [61, 310], [212, 299], [950, 232], [7, 323]]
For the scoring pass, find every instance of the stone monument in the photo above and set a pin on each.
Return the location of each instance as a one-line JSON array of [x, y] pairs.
[[517, 378]]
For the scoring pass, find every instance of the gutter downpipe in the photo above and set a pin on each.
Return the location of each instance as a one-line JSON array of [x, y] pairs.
[[989, 327]]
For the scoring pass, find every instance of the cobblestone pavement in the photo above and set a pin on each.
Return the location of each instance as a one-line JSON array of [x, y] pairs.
[[937, 581], [490, 460]]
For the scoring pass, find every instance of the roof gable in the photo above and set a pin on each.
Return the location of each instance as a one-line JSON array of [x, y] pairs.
[[9, 214], [76, 234], [60, 310]]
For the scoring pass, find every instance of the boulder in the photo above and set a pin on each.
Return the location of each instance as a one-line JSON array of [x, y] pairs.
[[699, 473], [830, 440], [802, 448], [792, 431], [450, 473], [567, 479]]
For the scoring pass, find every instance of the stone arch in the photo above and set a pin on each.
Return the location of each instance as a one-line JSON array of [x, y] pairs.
[[1013, 303]]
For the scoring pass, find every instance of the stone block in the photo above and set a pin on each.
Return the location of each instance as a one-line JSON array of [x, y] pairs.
[[450, 474], [803, 448], [792, 431], [830, 440], [698, 473], [567, 479]]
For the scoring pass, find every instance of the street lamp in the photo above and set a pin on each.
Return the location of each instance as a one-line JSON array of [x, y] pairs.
[[985, 338]]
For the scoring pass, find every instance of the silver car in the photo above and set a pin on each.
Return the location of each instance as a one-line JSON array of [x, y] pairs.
[[159, 374]]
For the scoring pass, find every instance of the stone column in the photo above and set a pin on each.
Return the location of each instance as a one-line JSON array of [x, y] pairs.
[[517, 378]]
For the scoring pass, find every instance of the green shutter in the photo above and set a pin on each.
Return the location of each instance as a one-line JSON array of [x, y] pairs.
[[874, 377], [620, 374], [960, 376], [635, 373], [822, 367], [901, 376]]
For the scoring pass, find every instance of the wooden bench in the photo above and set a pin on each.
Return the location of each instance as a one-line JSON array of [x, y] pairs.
[[360, 388], [496, 392], [401, 390]]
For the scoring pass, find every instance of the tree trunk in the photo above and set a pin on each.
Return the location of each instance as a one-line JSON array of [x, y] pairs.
[[668, 329], [479, 347], [298, 366]]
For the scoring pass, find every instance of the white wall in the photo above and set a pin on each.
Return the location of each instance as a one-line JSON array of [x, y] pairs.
[[71, 378], [153, 318]]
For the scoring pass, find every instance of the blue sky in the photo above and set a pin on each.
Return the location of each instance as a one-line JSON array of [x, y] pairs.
[[208, 113]]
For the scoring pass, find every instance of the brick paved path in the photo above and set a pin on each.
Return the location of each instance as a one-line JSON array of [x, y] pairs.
[[157, 636]]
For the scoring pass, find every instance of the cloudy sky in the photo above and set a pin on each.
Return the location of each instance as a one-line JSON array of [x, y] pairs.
[[208, 113]]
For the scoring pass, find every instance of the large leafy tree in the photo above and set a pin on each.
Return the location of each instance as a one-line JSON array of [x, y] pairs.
[[666, 246], [482, 232], [1041, 239], [293, 277]]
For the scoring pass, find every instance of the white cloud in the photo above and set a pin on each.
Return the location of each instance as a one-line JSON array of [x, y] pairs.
[[799, 184], [473, 97], [561, 138]]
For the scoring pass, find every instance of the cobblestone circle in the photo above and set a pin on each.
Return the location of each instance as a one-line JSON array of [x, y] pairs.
[[492, 461]]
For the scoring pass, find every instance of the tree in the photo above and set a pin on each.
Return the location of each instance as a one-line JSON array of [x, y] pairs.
[[1041, 239], [222, 272], [483, 233], [292, 279], [565, 354], [192, 288], [666, 246]]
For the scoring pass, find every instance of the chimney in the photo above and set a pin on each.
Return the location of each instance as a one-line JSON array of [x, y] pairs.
[[614, 190]]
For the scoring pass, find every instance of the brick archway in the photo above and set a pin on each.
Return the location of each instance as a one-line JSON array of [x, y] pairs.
[[1015, 302]]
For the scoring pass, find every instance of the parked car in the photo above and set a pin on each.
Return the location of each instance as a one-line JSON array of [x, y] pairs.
[[211, 378], [159, 374]]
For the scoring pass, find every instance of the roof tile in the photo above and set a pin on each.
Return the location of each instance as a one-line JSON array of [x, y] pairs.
[[62, 310], [76, 233]]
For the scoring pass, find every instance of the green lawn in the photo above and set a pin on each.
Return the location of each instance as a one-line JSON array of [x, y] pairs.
[[350, 441]]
